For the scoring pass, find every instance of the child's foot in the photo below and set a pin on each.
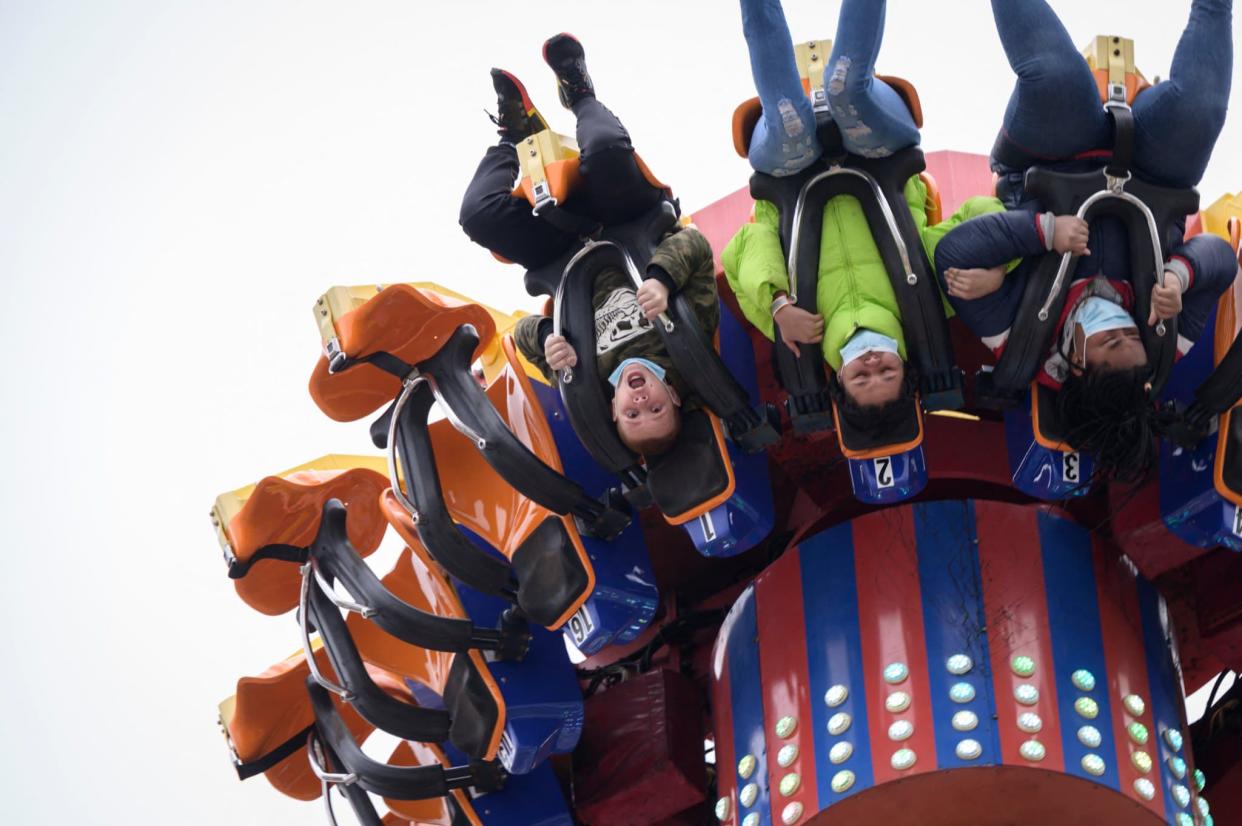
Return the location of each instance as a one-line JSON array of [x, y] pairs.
[[516, 117], [564, 54]]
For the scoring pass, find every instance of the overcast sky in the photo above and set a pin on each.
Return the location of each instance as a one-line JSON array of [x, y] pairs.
[[178, 182]]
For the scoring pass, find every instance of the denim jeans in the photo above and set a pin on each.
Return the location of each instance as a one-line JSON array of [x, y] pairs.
[[1055, 111], [874, 119]]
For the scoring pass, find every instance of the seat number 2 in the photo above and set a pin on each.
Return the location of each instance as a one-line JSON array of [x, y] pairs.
[[884, 472]]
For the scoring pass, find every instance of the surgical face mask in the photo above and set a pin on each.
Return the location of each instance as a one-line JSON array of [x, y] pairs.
[[1097, 314], [615, 378], [866, 341]]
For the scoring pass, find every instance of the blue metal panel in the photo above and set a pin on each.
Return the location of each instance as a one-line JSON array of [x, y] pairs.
[[742, 660], [1051, 475], [954, 623], [625, 596], [543, 703], [1164, 683], [532, 799], [1077, 641], [742, 522], [889, 479], [834, 654]]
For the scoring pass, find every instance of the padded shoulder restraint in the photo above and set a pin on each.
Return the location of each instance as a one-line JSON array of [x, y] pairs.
[[1149, 213], [471, 413], [878, 184], [334, 559], [573, 284], [400, 783]]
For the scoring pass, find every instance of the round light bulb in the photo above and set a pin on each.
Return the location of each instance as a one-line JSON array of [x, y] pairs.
[[968, 749], [962, 692], [897, 702], [1144, 788], [839, 723], [1086, 707], [959, 664], [786, 756], [900, 730], [840, 752], [1141, 761], [746, 766], [1032, 750], [1083, 680], [1093, 764], [1089, 736], [791, 813], [903, 759], [895, 673], [786, 726], [1022, 665], [1134, 705], [842, 781], [1030, 722], [722, 809], [965, 721], [836, 695]]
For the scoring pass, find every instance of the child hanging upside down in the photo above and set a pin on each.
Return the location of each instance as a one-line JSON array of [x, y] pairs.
[[858, 323], [1055, 119], [648, 394]]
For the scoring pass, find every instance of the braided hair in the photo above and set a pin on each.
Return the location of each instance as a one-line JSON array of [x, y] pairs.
[[1108, 414]]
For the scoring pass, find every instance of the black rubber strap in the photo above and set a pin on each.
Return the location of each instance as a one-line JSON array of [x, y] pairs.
[[252, 767], [384, 361], [238, 568], [1123, 140]]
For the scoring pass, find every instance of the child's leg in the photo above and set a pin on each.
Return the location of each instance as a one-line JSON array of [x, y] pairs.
[[493, 218], [1177, 121], [874, 119], [617, 190], [784, 140], [1055, 111]]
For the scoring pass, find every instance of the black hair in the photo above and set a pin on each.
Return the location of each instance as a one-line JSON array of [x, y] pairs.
[[1107, 413], [877, 421]]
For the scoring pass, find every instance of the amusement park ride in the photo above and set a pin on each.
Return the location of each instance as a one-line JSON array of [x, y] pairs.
[[954, 626]]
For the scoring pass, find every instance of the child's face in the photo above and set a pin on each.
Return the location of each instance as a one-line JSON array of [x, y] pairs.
[[873, 379], [644, 407], [1109, 349]]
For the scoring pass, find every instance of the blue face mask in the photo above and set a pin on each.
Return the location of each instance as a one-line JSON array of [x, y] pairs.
[[866, 341], [1097, 314], [615, 378]]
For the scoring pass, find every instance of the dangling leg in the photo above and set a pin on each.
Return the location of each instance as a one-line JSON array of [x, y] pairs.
[[617, 190], [783, 141], [1178, 121], [1055, 111], [494, 219], [874, 119]]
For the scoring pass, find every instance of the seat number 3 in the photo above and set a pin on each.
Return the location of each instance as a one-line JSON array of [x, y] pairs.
[[884, 472], [1071, 464]]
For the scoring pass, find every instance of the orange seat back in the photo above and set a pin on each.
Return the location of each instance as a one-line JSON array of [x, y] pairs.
[[287, 511], [1228, 328], [271, 708], [934, 208], [565, 176], [404, 321]]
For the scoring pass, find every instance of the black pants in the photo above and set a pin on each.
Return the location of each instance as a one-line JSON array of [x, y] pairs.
[[614, 191]]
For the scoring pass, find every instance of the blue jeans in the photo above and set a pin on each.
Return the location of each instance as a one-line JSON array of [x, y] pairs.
[[874, 119], [1055, 111]]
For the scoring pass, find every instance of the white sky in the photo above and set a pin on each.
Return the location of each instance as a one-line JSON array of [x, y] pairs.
[[178, 182]]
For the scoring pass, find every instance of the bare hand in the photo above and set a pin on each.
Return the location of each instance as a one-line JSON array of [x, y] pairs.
[[559, 354], [1166, 299], [653, 298], [974, 282], [799, 327], [1070, 235]]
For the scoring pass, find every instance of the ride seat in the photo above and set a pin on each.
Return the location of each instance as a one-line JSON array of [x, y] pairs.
[[888, 469], [268, 718], [1041, 463], [462, 681], [401, 321], [282, 513]]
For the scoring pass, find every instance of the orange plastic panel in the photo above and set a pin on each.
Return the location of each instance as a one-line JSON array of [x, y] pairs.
[[718, 500], [274, 706], [566, 176], [1228, 327], [419, 581], [409, 323], [909, 94], [1040, 438], [1135, 83], [287, 511], [876, 452], [934, 209], [433, 812]]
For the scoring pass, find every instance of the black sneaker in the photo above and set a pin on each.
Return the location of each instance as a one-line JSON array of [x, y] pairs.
[[564, 54], [516, 117]]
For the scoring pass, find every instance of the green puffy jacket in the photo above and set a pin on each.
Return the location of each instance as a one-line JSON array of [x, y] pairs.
[[853, 290]]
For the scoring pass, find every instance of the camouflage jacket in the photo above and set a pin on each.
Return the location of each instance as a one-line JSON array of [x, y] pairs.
[[683, 261]]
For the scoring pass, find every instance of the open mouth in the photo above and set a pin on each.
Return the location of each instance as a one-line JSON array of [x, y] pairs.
[[635, 380]]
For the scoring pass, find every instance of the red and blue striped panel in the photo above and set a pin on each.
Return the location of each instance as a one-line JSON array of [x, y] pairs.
[[921, 627]]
